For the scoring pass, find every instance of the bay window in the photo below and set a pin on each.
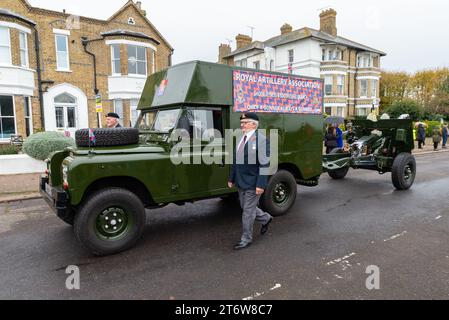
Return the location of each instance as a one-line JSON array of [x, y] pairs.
[[137, 60]]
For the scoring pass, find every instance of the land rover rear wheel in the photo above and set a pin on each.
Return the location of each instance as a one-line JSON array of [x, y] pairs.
[[403, 172], [110, 221], [280, 194]]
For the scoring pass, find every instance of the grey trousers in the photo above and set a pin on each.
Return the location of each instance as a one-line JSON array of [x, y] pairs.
[[249, 201]]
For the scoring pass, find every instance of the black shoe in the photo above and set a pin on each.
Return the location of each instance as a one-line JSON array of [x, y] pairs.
[[242, 245], [264, 228]]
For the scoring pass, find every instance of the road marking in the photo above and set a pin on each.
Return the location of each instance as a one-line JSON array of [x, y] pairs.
[[395, 236], [438, 218], [257, 294], [340, 259]]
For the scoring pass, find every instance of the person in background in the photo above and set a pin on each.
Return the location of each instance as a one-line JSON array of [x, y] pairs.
[[436, 137], [339, 134], [445, 134], [350, 135], [112, 120], [421, 135], [330, 139]]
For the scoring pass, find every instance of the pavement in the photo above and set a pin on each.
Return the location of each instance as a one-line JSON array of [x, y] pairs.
[[26, 186]]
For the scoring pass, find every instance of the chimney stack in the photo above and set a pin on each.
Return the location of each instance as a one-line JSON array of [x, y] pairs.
[[243, 40], [328, 22], [223, 51], [139, 4], [286, 28]]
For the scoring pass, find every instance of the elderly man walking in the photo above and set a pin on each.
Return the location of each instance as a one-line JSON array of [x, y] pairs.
[[248, 175]]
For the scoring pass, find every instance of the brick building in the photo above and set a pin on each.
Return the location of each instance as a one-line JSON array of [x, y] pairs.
[[350, 70], [53, 64]]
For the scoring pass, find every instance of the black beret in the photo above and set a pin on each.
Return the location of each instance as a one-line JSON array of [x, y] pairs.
[[250, 116], [113, 115]]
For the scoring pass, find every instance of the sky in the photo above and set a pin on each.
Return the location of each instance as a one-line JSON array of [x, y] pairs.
[[414, 33]]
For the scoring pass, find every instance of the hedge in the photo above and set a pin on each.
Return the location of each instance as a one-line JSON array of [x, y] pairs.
[[41, 145]]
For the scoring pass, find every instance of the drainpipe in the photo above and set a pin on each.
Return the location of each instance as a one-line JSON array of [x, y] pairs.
[[85, 42], [39, 77]]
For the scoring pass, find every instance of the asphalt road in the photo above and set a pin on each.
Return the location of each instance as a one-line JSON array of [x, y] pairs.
[[320, 250]]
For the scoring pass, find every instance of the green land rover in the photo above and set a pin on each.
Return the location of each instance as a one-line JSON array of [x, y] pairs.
[[103, 186]]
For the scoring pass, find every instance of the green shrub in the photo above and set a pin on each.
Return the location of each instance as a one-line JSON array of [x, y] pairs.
[[409, 107], [430, 126], [8, 149], [41, 145]]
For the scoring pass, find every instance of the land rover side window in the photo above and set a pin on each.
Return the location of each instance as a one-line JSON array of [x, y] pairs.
[[145, 121], [166, 120], [207, 125]]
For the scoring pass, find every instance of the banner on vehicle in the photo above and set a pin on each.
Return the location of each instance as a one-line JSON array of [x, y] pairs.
[[272, 93]]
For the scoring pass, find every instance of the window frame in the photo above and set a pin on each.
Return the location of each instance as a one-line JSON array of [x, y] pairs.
[[131, 109], [114, 59], [331, 84], [29, 117], [374, 84], [195, 111], [58, 67], [291, 56], [340, 87], [24, 50], [13, 116], [362, 112], [137, 61], [65, 113], [8, 31], [256, 65], [362, 95], [122, 113], [341, 112]]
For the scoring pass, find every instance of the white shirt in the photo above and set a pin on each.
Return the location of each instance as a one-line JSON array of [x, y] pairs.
[[248, 136]]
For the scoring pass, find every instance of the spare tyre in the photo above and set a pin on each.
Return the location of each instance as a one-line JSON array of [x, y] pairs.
[[108, 137]]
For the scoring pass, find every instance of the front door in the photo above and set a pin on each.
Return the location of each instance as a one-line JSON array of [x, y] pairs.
[[66, 114]]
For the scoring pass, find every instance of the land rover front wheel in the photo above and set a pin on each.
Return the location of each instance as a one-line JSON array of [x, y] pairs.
[[280, 194], [403, 172], [110, 221]]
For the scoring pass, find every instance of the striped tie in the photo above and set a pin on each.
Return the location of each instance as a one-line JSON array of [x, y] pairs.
[[242, 146]]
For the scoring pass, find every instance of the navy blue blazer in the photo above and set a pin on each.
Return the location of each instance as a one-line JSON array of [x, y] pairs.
[[246, 174]]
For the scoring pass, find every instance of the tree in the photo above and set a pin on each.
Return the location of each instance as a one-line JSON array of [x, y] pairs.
[[426, 84], [428, 88], [394, 86], [405, 106], [440, 101]]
